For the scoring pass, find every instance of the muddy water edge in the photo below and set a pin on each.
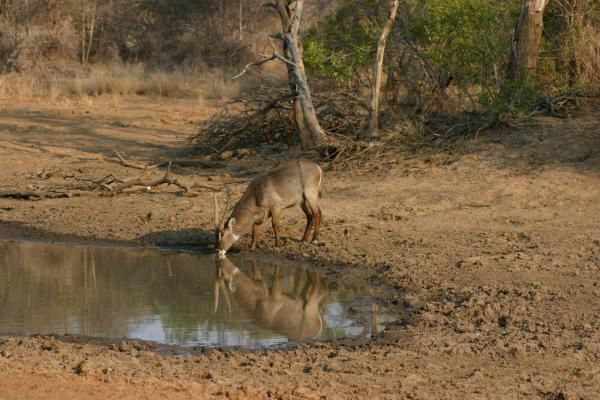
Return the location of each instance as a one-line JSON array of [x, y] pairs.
[[179, 297]]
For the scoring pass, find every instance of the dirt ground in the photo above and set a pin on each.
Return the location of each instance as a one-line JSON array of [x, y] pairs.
[[496, 255]]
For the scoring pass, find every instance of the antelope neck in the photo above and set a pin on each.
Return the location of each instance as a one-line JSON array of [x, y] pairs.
[[244, 218]]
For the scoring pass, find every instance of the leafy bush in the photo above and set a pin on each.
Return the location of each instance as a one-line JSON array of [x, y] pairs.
[[468, 38], [345, 43], [434, 42]]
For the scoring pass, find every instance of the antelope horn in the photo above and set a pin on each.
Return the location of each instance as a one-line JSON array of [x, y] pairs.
[[216, 300], [227, 203], [222, 284], [216, 206]]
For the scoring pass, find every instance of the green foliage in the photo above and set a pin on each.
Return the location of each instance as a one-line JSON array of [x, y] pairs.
[[467, 38], [511, 98], [345, 43]]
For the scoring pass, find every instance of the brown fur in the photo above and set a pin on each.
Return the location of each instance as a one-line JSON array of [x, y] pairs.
[[296, 182]]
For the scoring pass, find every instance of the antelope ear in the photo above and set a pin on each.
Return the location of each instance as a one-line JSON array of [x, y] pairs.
[[231, 223]]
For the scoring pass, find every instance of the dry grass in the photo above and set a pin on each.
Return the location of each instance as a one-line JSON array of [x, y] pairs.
[[586, 53], [64, 82]]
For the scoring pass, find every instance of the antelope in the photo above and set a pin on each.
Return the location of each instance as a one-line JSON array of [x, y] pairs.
[[296, 315], [292, 183]]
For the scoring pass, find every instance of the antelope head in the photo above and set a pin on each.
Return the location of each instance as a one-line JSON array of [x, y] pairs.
[[224, 234]]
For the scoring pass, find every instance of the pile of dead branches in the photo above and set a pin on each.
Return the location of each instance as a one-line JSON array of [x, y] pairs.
[[560, 106], [444, 127], [262, 117], [265, 117]]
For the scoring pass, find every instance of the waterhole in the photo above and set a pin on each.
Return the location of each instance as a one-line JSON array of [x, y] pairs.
[[176, 297]]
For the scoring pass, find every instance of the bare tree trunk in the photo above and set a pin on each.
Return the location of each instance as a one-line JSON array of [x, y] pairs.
[[83, 21], [91, 34], [241, 15], [307, 124], [27, 18], [311, 132], [526, 40], [223, 19], [378, 69]]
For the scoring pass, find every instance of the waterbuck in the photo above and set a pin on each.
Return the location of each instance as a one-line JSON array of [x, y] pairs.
[[292, 183]]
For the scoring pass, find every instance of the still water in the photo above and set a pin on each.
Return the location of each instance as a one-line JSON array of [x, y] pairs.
[[174, 297]]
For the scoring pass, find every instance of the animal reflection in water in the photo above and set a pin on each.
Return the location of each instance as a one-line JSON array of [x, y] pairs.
[[297, 315]]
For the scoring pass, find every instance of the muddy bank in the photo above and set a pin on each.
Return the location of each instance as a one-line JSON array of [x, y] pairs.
[[498, 254]]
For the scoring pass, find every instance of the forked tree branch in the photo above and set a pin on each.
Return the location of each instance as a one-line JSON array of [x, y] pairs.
[[254, 64]]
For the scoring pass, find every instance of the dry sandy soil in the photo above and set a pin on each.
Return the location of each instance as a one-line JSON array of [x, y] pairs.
[[497, 255]]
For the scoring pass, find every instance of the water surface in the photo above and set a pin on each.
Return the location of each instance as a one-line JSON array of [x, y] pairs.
[[174, 297]]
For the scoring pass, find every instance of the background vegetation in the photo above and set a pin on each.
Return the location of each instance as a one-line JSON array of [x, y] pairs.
[[445, 57]]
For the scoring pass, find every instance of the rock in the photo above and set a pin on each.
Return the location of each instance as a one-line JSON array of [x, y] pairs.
[[83, 368], [464, 327], [305, 393], [123, 346], [412, 380], [226, 155], [208, 375], [50, 345], [242, 153]]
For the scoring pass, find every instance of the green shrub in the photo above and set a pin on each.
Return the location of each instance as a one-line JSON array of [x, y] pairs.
[[345, 43]]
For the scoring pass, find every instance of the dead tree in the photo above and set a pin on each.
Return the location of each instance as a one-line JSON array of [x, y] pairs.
[[526, 40], [378, 68], [305, 120]]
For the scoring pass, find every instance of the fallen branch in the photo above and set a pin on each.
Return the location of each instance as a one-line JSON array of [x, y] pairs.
[[181, 163], [109, 184], [38, 195], [148, 184]]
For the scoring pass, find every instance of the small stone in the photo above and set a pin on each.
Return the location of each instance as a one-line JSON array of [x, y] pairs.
[[82, 368], [226, 155], [305, 393], [124, 346], [242, 153]]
